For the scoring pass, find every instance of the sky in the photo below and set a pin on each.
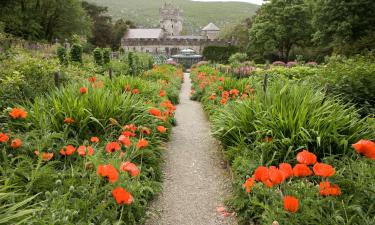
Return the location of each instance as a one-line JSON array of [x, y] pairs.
[[258, 2]]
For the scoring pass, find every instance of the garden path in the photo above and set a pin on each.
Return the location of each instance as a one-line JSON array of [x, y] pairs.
[[195, 183]]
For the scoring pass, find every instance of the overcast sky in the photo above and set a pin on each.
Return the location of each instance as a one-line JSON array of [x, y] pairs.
[[258, 2]]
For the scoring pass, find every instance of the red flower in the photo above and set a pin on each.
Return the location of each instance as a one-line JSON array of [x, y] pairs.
[[162, 93], [16, 143], [291, 204], [276, 176], [135, 91], [225, 94], [3, 138], [68, 120], [83, 90], [47, 156], [82, 150], [287, 169], [301, 170], [365, 147], [112, 147], [130, 127], [108, 171], [223, 101], [122, 196], [92, 79], [67, 150], [248, 184], [161, 129], [94, 139], [17, 113], [323, 170], [142, 143], [306, 157], [131, 168], [212, 97], [155, 112], [128, 134], [145, 130], [261, 174], [326, 189], [234, 92], [125, 140]]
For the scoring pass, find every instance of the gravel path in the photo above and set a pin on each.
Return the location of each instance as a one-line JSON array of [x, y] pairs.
[[195, 183]]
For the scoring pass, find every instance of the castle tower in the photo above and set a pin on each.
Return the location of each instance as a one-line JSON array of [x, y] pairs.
[[171, 20], [211, 31]]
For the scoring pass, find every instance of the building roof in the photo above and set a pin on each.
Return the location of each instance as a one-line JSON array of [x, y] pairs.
[[186, 37], [211, 27], [143, 33]]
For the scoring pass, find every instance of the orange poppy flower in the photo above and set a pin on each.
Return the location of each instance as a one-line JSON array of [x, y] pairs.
[[306, 157], [131, 168], [135, 91], [291, 204], [128, 134], [18, 113], [276, 176], [67, 150], [234, 92], [326, 189], [222, 79], [301, 170], [92, 79], [82, 150], [323, 170], [287, 169], [112, 147], [122, 196], [161, 129], [127, 88], [98, 84], [261, 174], [47, 156], [268, 183], [225, 94], [155, 112], [94, 139], [220, 88], [83, 90], [244, 96], [142, 143], [249, 183], [3, 138], [162, 93], [68, 120], [212, 97], [125, 140], [108, 171], [365, 147], [145, 130], [223, 101], [16, 143]]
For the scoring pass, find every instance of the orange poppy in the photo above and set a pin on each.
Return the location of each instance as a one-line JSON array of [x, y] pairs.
[[142, 143], [287, 169], [108, 171], [161, 129], [365, 147], [68, 120], [112, 147], [291, 204], [301, 170], [125, 140], [94, 139], [220, 88], [17, 113], [225, 94], [82, 150], [16, 143], [223, 101], [261, 174], [306, 157], [249, 183], [323, 170], [276, 176], [47, 156], [162, 93], [3, 138], [145, 130], [130, 127], [212, 97], [234, 92], [128, 134], [83, 90], [92, 79], [155, 112], [131, 168], [135, 91], [67, 150], [122, 196], [326, 189]]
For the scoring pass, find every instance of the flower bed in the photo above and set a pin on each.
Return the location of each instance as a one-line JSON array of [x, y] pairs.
[[291, 150], [89, 152]]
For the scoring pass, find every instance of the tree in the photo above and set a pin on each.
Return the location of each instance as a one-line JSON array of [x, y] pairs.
[[278, 26], [346, 26], [238, 32]]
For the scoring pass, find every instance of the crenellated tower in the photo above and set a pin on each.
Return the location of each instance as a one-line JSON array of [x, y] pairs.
[[171, 19]]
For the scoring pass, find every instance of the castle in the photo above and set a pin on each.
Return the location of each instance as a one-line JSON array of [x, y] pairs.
[[168, 39]]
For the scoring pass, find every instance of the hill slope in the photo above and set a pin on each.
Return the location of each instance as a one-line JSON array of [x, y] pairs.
[[145, 13]]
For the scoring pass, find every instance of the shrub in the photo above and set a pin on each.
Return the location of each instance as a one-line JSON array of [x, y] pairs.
[[98, 56], [237, 58], [219, 54], [76, 53], [107, 56], [62, 55]]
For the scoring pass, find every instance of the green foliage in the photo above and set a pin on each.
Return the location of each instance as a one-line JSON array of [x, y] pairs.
[[107, 56], [237, 58], [132, 66], [219, 54], [76, 53], [98, 56], [62, 55]]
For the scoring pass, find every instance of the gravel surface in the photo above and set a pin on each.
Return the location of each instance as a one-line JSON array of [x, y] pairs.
[[195, 183]]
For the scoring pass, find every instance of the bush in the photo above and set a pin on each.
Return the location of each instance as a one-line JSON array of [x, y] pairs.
[[76, 53], [219, 54], [107, 56], [237, 58], [62, 55], [98, 56]]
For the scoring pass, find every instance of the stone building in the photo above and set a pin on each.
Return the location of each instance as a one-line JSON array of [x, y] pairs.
[[168, 39]]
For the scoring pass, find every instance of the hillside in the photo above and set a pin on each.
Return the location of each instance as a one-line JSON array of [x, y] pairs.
[[145, 13]]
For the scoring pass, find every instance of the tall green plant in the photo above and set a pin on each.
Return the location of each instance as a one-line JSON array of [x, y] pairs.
[[76, 53], [98, 56]]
